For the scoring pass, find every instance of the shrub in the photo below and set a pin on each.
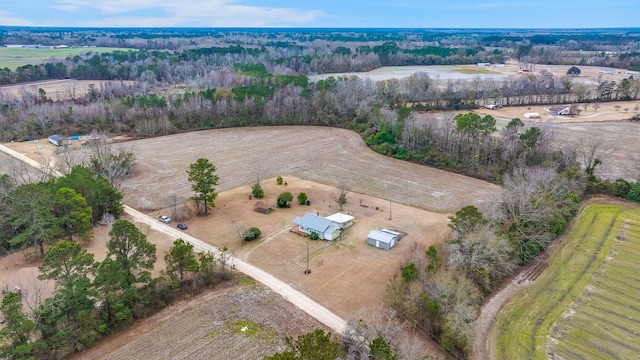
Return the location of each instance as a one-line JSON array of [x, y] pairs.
[[279, 180], [251, 234], [257, 191], [314, 236], [284, 200], [302, 198]]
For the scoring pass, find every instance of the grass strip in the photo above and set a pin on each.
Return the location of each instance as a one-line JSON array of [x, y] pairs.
[[525, 323]]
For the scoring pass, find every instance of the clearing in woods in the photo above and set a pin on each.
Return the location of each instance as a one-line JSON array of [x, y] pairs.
[[583, 305], [15, 57]]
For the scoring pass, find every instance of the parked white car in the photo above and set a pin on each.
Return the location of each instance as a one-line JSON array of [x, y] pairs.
[[164, 219]]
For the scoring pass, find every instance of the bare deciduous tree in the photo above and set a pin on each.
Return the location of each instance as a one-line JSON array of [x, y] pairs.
[[341, 197]]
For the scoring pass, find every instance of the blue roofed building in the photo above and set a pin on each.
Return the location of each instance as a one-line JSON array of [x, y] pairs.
[[325, 228]]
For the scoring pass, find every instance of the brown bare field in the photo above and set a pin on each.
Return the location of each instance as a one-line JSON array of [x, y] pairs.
[[320, 154], [324, 155], [209, 326], [57, 90]]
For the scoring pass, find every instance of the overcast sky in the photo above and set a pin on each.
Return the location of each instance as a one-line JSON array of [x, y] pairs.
[[323, 14]]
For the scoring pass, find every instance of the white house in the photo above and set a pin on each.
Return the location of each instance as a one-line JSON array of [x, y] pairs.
[[383, 239], [343, 220], [325, 228], [55, 140], [560, 110], [532, 115]]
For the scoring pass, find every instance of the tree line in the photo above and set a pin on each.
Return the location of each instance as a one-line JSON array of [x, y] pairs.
[[249, 94]]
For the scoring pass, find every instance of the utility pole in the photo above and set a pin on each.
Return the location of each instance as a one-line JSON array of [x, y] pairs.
[[306, 272], [389, 209]]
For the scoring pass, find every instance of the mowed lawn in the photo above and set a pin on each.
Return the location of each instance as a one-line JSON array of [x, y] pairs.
[[12, 58], [584, 305]]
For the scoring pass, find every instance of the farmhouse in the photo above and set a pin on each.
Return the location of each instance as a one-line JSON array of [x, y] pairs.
[[325, 228], [343, 220], [263, 207], [383, 239], [55, 140], [560, 110]]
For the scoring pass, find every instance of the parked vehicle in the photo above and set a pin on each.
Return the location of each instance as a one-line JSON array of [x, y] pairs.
[[182, 226], [164, 219]]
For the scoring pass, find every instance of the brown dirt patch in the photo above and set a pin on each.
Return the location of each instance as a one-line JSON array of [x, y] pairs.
[[207, 327]]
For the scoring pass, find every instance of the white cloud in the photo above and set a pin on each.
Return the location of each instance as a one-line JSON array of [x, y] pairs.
[[195, 13], [7, 20]]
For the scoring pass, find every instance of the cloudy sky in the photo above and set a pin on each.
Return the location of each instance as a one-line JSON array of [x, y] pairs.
[[323, 14]]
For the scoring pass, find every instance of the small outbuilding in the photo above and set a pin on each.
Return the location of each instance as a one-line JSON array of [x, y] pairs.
[[343, 220], [263, 207], [532, 115], [383, 239], [560, 110]]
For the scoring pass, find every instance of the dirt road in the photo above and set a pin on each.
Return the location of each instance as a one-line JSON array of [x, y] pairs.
[[283, 289]]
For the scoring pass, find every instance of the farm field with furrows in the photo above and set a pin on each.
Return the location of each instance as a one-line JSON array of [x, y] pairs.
[[582, 304], [325, 155], [604, 322], [244, 321]]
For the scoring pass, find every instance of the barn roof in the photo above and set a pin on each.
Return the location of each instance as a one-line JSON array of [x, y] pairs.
[[382, 236]]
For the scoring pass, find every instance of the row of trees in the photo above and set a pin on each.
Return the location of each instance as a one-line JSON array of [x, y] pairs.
[[228, 97], [93, 299]]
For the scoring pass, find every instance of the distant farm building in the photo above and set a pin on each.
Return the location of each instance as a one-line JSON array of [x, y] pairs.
[[94, 139], [532, 115], [343, 220], [605, 71], [383, 239], [263, 207], [323, 227], [58, 140], [560, 110]]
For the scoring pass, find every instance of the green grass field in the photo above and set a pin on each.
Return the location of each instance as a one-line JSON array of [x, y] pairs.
[[474, 71], [584, 305], [15, 57]]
